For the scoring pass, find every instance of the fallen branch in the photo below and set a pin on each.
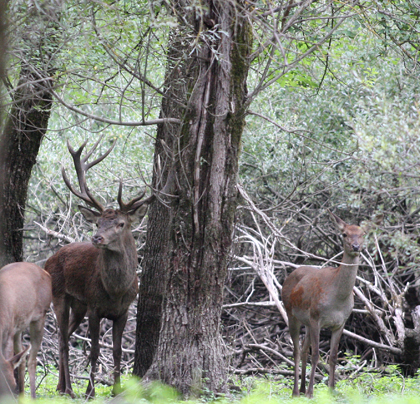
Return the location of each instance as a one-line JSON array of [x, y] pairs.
[[272, 351], [262, 370], [396, 351]]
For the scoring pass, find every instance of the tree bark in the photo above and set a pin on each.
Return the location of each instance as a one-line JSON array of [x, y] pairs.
[[4, 388], [152, 285], [25, 126], [3, 26], [196, 231], [19, 144]]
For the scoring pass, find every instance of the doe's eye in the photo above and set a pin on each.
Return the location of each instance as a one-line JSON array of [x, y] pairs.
[[344, 235], [121, 225]]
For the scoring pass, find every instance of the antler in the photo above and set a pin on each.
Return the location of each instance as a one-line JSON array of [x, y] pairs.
[[134, 203], [82, 166]]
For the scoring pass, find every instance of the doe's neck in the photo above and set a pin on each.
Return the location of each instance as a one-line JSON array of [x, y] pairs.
[[350, 260], [346, 277]]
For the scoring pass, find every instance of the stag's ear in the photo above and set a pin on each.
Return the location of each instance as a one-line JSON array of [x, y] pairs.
[[90, 215], [137, 214]]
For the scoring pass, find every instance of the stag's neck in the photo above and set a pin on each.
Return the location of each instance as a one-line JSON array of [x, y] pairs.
[[118, 269], [346, 277]]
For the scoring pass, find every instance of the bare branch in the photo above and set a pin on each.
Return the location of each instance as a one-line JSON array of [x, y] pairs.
[[110, 121], [55, 234]]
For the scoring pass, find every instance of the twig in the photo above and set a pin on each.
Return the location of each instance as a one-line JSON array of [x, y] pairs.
[[55, 234]]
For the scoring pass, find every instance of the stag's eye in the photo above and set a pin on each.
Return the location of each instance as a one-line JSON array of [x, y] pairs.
[[121, 225], [344, 235]]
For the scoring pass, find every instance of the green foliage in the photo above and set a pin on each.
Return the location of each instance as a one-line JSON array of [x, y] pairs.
[[349, 142], [367, 387], [345, 136]]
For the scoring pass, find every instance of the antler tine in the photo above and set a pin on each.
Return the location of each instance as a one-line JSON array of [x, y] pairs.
[[82, 166], [93, 148], [100, 158], [134, 203], [79, 166], [74, 191]]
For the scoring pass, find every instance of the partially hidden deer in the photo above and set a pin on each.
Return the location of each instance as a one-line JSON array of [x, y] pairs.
[[96, 278], [322, 298], [25, 298]]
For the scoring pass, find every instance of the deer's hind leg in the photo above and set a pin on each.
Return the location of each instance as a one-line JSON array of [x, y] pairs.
[[17, 347], [304, 353], [314, 333], [294, 329], [78, 312], [62, 312], [36, 330]]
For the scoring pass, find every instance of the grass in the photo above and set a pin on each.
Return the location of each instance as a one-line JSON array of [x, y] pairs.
[[389, 387]]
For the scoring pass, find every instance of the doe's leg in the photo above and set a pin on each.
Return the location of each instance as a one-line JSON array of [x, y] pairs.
[[36, 330], [335, 339], [304, 353], [17, 347], [315, 356], [294, 329]]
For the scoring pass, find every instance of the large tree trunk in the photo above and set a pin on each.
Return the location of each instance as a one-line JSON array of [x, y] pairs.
[[156, 258], [2, 45], [4, 388], [19, 144], [25, 126], [195, 233]]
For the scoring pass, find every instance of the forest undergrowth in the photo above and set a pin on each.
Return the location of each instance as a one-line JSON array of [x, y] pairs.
[[387, 386], [339, 133]]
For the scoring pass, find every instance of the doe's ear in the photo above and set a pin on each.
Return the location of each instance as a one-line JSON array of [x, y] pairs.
[[341, 224], [16, 360], [137, 214], [90, 215]]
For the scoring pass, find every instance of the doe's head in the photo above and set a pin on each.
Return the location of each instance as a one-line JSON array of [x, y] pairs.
[[353, 236]]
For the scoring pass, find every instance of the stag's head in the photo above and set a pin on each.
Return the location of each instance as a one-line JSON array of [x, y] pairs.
[[113, 225]]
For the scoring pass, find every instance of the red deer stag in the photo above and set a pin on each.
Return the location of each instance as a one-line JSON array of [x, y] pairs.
[[25, 297], [96, 278], [322, 298]]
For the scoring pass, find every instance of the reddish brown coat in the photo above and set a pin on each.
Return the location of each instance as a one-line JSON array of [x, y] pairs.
[[322, 298]]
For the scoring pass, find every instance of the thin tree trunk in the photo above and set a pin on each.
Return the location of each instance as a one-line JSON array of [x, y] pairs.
[[198, 230]]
